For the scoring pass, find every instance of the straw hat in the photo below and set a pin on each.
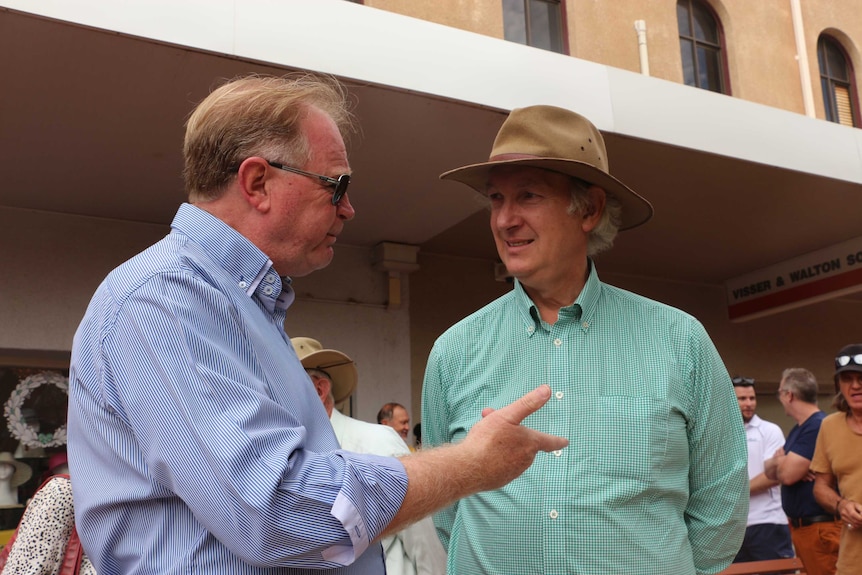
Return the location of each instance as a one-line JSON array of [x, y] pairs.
[[341, 369], [560, 140], [23, 472]]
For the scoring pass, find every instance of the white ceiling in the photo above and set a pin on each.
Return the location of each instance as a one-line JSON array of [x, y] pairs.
[[91, 124]]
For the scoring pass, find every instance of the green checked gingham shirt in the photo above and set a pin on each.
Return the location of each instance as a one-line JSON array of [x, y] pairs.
[[654, 479]]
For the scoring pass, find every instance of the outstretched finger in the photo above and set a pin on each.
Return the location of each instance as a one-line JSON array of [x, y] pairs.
[[529, 403], [548, 442]]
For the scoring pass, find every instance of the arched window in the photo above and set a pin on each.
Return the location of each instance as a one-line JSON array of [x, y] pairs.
[[836, 79], [537, 23], [701, 47]]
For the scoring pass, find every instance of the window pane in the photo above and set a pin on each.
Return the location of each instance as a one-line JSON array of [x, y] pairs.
[[545, 25], [514, 21], [837, 65], [682, 18], [709, 69], [828, 99], [686, 48], [821, 56], [704, 25]]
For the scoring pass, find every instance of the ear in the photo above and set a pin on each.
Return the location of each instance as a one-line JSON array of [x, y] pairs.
[[323, 387], [254, 179], [593, 214]]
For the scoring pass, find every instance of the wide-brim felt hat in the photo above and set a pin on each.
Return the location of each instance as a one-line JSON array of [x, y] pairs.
[[560, 140], [23, 472], [851, 351], [341, 369]]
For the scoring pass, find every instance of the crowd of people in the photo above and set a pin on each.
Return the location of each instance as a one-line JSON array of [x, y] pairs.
[[796, 504], [590, 429]]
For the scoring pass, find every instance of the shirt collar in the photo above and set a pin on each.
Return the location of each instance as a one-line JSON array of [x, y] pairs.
[[754, 421], [582, 311], [251, 269]]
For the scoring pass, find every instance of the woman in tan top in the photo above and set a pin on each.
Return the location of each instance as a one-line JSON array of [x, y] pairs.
[[837, 459]]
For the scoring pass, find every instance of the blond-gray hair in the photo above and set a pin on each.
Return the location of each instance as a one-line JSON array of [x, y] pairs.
[[256, 116]]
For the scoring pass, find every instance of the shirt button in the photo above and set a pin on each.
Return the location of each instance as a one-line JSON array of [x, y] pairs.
[[268, 290], [557, 453], [531, 329], [558, 342], [243, 285], [559, 395], [553, 514], [586, 324], [270, 278]]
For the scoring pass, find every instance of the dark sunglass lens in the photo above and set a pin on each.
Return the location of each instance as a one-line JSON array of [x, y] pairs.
[[340, 189], [857, 359], [842, 360]]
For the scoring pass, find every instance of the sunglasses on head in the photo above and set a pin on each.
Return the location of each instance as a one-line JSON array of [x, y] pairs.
[[843, 360], [743, 381]]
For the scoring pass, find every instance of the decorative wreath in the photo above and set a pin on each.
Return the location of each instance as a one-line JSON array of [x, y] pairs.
[[18, 427]]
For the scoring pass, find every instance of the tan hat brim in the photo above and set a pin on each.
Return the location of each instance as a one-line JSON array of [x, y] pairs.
[[341, 369], [636, 210]]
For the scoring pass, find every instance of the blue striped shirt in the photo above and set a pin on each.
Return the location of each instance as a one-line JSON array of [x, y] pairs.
[[654, 478], [197, 443]]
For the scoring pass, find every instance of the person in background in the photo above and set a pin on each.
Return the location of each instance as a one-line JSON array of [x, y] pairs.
[[654, 477], [837, 462], [767, 535], [395, 416], [814, 531], [196, 442], [415, 550]]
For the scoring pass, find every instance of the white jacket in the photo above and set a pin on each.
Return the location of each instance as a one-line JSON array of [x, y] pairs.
[[415, 550]]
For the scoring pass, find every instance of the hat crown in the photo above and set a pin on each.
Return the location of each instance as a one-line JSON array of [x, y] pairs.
[[341, 369], [550, 132], [852, 349]]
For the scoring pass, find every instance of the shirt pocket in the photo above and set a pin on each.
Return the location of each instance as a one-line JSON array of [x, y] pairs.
[[629, 437]]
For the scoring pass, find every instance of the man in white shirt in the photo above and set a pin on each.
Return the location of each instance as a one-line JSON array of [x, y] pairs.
[[767, 535], [415, 550]]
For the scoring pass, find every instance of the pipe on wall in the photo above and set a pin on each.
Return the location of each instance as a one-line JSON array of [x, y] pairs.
[[802, 58], [640, 28]]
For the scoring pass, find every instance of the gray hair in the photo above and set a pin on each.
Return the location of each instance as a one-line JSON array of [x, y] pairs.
[[801, 383], [603, 235]]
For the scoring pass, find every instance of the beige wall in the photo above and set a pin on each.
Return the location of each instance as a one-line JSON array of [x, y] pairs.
[[759, 38]]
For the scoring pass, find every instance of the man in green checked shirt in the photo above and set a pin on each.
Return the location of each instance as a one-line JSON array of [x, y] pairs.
[[654, 480]]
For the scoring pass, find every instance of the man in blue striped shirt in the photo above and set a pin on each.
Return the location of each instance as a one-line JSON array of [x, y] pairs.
[[197, 443], [654, 481]]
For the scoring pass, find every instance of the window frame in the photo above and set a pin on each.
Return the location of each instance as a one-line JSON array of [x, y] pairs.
[[721, 46], [563, 31], [830, 103]]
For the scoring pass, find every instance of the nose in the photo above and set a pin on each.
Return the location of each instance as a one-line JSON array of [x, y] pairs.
[[344, 208], [504, 216]]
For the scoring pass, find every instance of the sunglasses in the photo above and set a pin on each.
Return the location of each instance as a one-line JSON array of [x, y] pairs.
[[338, 185], [742, 381], [843, 360]]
